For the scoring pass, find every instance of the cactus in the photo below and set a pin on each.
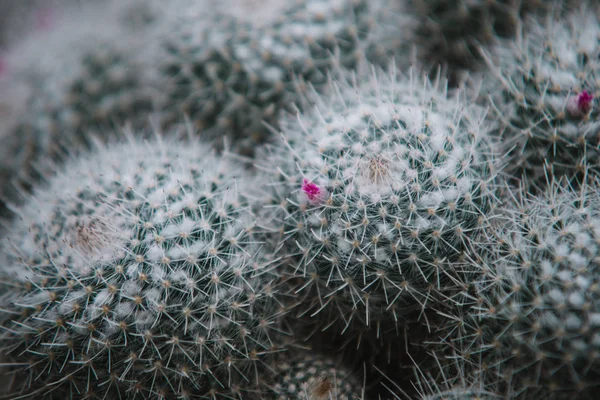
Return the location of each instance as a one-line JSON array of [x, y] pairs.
[[535, 309], [377, 194], [308, 376], [547, 98], [136, 273], [451, 32], [230, 74]]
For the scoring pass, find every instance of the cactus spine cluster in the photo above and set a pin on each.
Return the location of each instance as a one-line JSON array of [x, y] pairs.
[[393, 220]]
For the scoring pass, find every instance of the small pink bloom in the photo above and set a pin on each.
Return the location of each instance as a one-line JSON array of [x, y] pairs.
[[581, 104], [313, 192], [584, 101]]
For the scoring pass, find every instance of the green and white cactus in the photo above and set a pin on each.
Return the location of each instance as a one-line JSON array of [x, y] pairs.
[[535, 309], [547, 97], [308, 376], [378, 193], [137, 273], [79, 78], [231, 73]]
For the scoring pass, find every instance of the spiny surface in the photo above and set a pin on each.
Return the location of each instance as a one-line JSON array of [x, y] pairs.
[[377, 194], [135, 273], [535, 316], [309, 376], [81, 78], [230, 73], [547, 99]]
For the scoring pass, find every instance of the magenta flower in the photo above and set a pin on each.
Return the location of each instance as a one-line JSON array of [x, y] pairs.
[[311, 190], [584, 101], [581, 104]]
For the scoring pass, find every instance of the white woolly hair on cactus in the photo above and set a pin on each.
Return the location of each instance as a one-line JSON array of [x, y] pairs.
[[377, 190], [137, 270]]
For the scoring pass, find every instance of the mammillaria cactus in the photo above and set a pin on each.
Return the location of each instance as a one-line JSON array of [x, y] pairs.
[[547, 97], [231, 73], [535, 317], [377, 194], [308, 376], [136, 273]]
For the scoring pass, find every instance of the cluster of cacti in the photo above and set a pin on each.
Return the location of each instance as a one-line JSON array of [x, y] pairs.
[[397, 237]]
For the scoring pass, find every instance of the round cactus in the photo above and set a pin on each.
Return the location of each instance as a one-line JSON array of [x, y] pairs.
[[308, 376], [547, 98], [232, 73], [137, 271], [536, 315], [377, 194]]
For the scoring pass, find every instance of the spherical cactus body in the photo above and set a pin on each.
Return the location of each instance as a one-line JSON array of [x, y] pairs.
[[233, 73], [307, 376], [136, 273], [377, 194], [547, 99], [534, 318]]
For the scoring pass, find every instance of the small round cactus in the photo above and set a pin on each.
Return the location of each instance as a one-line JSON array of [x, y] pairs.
[[308, 376], [377, 194], [547, 99], [136, 271], [536, 312]]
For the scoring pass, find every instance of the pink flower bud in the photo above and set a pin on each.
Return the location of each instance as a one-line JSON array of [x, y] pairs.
[[313, 192], [581, 104]]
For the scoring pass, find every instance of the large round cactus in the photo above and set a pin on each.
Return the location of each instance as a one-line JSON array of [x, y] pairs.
[[378, 193], [230, 73], [136, 272]]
